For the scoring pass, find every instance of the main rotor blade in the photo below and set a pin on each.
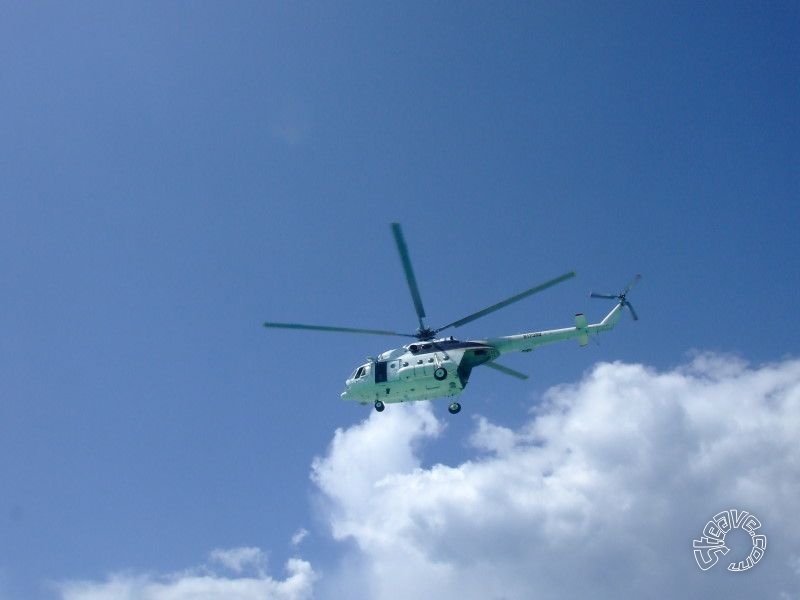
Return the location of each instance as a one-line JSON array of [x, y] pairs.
[[504, 303], [409, 271], [506, 370], [606, 296], [337, 329]]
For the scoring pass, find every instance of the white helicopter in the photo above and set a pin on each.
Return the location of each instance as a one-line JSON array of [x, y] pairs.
[[435, 367]]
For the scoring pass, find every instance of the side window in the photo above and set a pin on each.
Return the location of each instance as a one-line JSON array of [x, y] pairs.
[[359, 373]]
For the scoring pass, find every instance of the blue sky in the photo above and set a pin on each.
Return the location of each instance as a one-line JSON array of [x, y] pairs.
[[173, 174]]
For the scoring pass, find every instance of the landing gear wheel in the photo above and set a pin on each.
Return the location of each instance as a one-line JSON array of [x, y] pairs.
[[379, 406], [454, 408], [440, 374]]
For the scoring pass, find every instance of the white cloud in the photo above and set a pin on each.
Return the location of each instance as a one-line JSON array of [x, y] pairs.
[[599, 494], [250, 582], [299, 536], [363, 456], [240, 559]]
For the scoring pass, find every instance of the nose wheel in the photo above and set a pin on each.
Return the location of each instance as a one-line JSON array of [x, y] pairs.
[[454, 408], [379, 406]]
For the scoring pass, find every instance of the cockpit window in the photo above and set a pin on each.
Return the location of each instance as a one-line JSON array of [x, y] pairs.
[[361, 372]]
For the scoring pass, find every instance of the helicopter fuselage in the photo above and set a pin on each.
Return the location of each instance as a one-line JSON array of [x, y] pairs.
[[440, 368], [418, 371], [435, 368]]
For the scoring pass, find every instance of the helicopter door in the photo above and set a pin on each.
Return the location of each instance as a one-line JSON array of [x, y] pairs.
[[380, 371], [421, 368]]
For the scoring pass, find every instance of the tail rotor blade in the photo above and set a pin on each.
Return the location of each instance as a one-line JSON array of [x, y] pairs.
[[632, 283], [633, 312], [622, 296]]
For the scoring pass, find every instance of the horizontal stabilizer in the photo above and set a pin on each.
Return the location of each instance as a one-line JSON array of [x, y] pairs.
[[581, 325]]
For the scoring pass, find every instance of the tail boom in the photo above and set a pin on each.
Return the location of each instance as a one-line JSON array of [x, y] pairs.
[[525, 342]]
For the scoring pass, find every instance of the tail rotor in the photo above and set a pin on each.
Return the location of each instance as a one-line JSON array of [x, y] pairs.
[[622, 297]]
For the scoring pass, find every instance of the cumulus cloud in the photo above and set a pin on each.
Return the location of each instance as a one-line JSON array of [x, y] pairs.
[[240, 559], [300, 535], [245, 579], [599, 494]]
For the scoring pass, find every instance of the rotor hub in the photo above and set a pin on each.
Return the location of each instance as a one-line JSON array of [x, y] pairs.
[[425, 335]]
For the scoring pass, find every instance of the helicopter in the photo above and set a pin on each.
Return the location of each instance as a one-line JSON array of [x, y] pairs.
[[436, 367]]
